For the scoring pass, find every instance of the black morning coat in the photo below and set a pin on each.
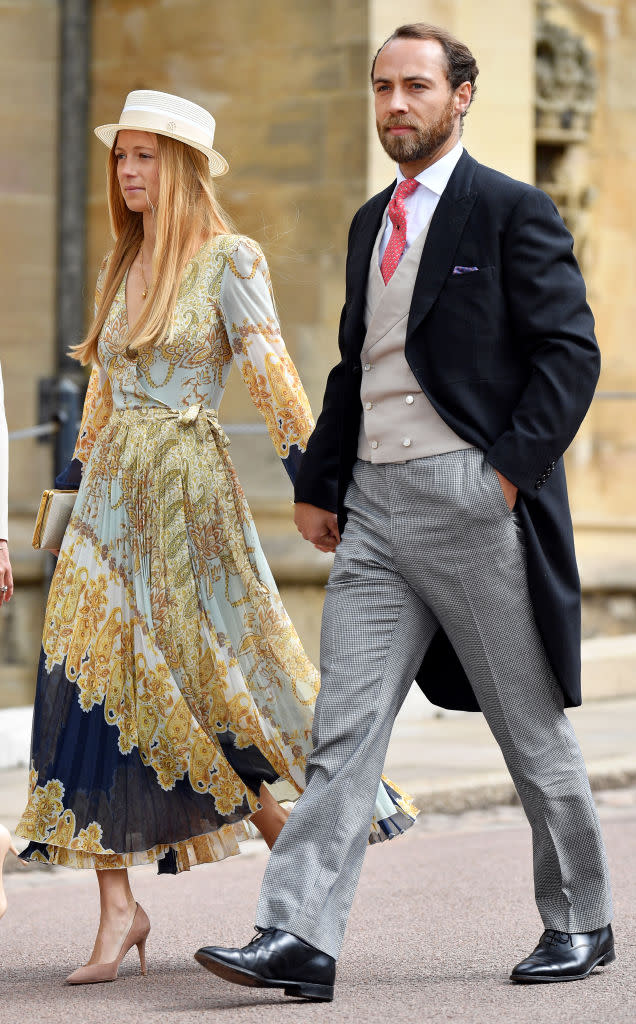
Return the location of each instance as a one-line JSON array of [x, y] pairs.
[[507, 356]]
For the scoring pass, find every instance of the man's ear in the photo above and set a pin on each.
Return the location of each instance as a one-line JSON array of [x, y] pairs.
[[462, 97]]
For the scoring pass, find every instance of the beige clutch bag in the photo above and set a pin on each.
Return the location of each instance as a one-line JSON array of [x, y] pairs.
[[52, 519]]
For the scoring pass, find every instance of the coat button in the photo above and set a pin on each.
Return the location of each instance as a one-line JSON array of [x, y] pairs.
[[368, 405], [406, 443], [374, 444], [409, 399], [367, 366]]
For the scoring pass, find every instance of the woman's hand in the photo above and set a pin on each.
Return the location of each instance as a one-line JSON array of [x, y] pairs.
[[6, 575]]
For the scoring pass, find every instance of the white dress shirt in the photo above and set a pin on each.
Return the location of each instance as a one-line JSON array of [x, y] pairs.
[[421, 204]]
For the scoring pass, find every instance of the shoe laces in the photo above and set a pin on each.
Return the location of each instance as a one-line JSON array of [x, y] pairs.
[[260, 932], [555, 938]]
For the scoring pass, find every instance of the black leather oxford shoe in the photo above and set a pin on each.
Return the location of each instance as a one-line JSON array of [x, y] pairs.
[[274, 959], [563, 956]]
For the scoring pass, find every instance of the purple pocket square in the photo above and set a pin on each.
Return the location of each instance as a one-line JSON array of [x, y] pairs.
[[464, 270]]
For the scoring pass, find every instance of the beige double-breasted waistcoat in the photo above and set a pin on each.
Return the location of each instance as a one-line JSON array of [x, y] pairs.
[[398, 423]]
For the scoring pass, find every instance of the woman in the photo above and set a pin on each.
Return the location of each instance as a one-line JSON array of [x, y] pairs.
[[173, 689]]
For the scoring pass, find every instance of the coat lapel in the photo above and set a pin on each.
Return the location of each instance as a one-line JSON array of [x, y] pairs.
[[444, 234], [360, 253], [443, 238]]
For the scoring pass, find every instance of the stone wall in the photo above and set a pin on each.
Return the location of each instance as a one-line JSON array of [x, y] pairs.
[[602, 481], [28, 113]]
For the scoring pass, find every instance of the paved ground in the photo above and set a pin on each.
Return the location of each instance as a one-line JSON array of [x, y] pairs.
[[440, 917]]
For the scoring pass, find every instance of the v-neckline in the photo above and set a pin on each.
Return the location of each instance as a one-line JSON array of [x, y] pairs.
[[124, 280]]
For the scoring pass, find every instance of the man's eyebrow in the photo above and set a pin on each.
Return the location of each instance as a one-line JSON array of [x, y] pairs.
[[406, 78]]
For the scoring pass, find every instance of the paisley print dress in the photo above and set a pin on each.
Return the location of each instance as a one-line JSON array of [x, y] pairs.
[[172, 683]]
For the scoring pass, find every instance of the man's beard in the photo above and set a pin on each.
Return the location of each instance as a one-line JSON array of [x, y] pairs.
[[420, 144]]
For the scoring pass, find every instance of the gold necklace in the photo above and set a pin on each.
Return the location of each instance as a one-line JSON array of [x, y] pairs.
[[143, 276]]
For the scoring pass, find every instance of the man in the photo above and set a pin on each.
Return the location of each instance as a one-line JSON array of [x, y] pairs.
[[468, 362]]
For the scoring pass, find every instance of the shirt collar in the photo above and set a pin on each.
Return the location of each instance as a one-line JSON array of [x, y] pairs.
[[436, 176]]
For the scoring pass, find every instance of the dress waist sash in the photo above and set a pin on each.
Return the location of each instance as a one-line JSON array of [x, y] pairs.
[[195, 417]]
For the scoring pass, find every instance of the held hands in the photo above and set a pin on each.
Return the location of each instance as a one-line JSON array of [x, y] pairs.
[[509, 490], [317, 525]]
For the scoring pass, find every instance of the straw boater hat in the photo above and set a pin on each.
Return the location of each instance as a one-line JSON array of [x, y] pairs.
[[164, 114]]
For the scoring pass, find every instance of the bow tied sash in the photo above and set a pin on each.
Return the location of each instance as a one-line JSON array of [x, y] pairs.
[[198, 418]]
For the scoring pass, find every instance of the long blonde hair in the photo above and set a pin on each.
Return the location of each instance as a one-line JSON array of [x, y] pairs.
[[188, 213]]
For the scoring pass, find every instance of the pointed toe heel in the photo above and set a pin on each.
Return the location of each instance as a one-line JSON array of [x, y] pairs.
[[96, 974]]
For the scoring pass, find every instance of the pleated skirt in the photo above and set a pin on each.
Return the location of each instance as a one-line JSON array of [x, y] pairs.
[[172, 683]]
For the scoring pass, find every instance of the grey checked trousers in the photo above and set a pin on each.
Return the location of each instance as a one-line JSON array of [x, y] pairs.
[[431, 542]]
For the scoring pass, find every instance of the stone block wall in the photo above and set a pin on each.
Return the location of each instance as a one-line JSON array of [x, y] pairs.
[[28, 179], [602, 483]]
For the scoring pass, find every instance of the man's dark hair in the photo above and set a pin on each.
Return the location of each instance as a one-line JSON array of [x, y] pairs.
[[461, 66]]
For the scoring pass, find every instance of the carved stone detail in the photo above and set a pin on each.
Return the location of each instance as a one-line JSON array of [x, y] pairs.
[[566, 99], [566, 84]]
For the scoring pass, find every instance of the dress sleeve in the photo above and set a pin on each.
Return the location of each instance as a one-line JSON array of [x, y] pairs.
[[251, 323], [98, 406], [4, 469]]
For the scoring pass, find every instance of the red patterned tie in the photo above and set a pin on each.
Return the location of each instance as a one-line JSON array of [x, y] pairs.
[[397, 241]]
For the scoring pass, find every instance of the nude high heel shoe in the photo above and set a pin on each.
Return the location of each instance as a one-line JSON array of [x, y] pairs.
[[6, 844], [93, 974]]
